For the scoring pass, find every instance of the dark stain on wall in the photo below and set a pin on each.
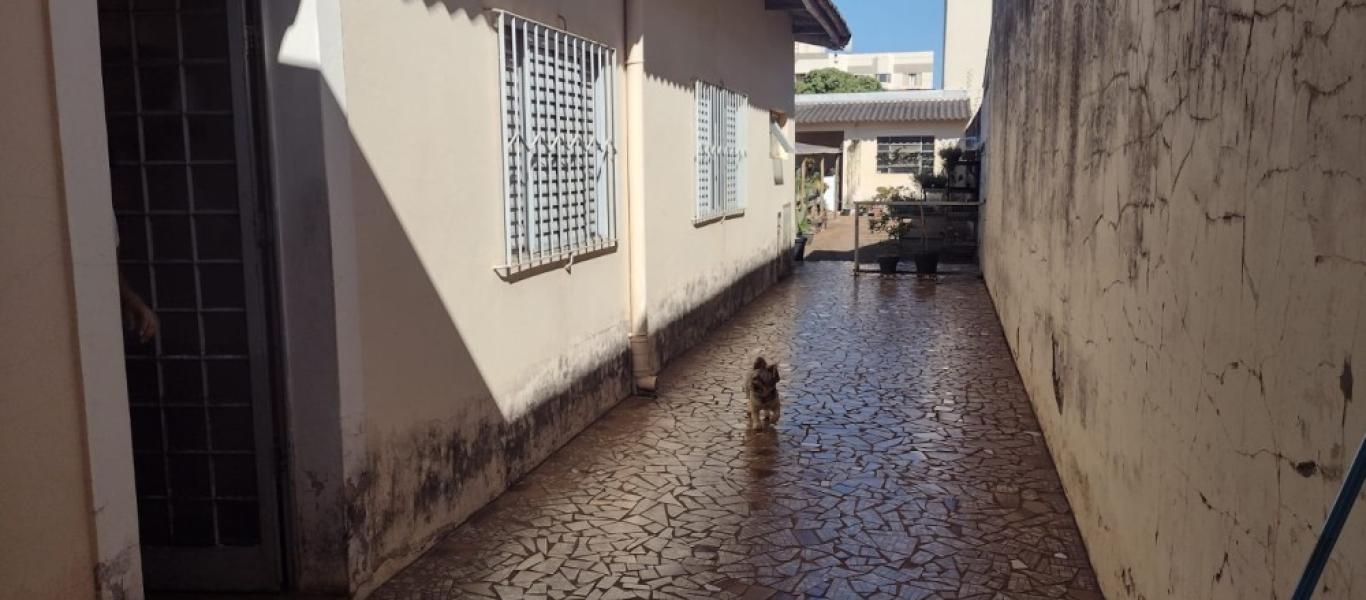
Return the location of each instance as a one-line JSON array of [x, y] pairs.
[[460, 467], [675, 338], [111, 576], [1058, 366], [1345, 380], [458, 471], [1307, 468]]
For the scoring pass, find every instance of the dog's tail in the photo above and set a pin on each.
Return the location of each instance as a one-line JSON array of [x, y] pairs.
[[760, 363]]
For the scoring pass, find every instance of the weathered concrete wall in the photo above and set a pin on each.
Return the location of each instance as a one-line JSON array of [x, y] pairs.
[[1174, 244]]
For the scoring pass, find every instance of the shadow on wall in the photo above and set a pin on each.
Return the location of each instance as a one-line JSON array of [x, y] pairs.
[[365, 504]]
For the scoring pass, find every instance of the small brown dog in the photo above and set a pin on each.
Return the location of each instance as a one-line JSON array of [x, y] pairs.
[[762, 389]]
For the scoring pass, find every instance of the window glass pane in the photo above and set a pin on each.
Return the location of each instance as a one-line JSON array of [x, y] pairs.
[[166, 188], [225, 333], [160, 87], [239, 523], [234, 475], [156, 36], [123, 139], [126, 187], [205, 36], [192, 523], [171, 238], [146, 423], [154, 522], [184, 381], [232, 428], [149, 477], [118, 89], [114, 38], [179, 333], [163, 138], [208, 87], [215, 187], [189, 475], [185, 429], [220, 236], [211, 138], [175, 286]]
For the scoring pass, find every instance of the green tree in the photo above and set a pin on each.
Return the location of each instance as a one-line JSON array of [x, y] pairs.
[[835, 81]]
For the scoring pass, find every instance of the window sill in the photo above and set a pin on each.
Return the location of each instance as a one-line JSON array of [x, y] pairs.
[[705, 221], [566, 261]]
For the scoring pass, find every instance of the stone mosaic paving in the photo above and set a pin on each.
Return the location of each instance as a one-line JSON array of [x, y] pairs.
[[908, 465]]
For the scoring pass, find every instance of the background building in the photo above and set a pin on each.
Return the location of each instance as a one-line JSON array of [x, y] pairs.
[[894, 70], [967, 33], [886, 137]]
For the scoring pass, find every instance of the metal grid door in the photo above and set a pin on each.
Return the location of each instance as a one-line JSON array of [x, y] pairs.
[[180, 149]]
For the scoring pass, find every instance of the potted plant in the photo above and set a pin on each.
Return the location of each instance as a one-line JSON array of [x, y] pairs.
[[897, 229], [933, 186], [952, 155], [925, 256], [799, 244]]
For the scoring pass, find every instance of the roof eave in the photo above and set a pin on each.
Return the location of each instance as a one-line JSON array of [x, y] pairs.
[[815, 22]]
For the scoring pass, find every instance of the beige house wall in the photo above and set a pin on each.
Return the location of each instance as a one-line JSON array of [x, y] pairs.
[[467, 380], [1173, 238], [48, 533], [695, 274]]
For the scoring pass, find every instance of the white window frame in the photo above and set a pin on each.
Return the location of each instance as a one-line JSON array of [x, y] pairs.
[[721, 155], [558, 108]]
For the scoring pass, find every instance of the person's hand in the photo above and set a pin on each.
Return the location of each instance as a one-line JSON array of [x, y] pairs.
[[141, 319], [137, 316]]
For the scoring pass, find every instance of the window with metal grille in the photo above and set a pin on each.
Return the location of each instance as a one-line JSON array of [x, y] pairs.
[[905, 154], [720, 152], [559, 150]]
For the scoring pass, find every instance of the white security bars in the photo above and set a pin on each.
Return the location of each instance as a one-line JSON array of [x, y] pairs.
[[720, 152], [559, 149]]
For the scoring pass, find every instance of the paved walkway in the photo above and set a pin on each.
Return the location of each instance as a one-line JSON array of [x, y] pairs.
[[836, 241], [908, 465]]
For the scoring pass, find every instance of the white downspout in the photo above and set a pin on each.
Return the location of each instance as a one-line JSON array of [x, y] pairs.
[[642, 350]]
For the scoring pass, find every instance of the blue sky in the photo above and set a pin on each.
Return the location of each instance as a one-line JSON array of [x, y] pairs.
[[897, 25]]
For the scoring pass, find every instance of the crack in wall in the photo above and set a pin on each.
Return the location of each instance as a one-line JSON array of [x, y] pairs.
[[1120, 179]]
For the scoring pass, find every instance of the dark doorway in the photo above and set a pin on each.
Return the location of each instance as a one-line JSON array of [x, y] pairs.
[[191, 242]]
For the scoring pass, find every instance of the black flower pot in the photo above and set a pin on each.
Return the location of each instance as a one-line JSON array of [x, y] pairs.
[[927, 263], [799, 248], [886, 264]]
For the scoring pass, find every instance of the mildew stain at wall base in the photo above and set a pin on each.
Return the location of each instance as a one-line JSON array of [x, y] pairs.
[[112, 576], [415, 487], [690, 327]]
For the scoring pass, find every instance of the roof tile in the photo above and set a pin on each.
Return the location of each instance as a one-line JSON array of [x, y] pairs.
[[884, 107]]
